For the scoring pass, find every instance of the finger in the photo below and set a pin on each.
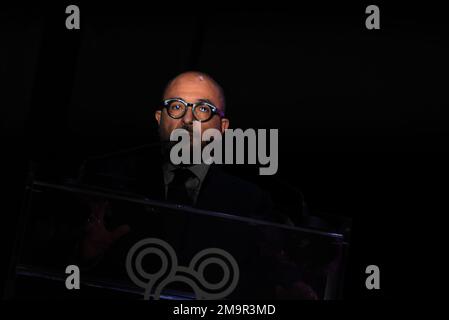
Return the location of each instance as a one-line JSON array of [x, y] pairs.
[[120, 232]]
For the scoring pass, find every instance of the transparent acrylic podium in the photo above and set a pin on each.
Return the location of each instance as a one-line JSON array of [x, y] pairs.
[[170, 251]]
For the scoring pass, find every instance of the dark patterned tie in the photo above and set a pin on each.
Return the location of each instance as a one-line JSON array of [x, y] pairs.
[[177, 191]]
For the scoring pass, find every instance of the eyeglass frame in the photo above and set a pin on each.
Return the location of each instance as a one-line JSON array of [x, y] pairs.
[[213, 108]]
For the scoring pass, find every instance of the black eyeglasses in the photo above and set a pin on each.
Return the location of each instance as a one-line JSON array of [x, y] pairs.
[[202, 111]]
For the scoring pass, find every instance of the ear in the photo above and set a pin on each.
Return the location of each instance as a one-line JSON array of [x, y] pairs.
[[157, 115], [224, 124]]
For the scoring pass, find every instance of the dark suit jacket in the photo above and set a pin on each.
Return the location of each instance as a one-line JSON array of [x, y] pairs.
[[140, 172]]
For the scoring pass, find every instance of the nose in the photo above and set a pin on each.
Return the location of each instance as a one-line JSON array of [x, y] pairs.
[[188, 116]]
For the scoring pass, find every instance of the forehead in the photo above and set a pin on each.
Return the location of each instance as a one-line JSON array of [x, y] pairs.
[[193, 88]]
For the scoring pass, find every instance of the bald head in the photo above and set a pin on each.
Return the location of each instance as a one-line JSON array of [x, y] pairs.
[[192, 87], [194, 83]]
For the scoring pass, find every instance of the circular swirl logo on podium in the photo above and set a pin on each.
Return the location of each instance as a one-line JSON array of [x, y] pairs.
[[169, 272]]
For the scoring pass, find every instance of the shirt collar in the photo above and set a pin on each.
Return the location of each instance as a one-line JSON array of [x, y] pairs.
[[199, 170]]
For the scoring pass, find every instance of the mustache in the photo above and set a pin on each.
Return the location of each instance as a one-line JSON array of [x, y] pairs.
[[187, 127]]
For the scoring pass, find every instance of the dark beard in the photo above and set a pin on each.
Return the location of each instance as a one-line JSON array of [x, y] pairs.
[[166, 147]]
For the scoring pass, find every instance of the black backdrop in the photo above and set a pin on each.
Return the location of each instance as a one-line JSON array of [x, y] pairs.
[[361, 114]]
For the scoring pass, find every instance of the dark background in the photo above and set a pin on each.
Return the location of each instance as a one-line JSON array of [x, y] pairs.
[[362, 114]]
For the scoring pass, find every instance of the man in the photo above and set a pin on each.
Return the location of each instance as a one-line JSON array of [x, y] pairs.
[[200, 185], [149, 173], [105, 237]]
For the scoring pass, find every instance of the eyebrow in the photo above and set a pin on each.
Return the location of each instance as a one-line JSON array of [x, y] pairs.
[[207, 101]]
